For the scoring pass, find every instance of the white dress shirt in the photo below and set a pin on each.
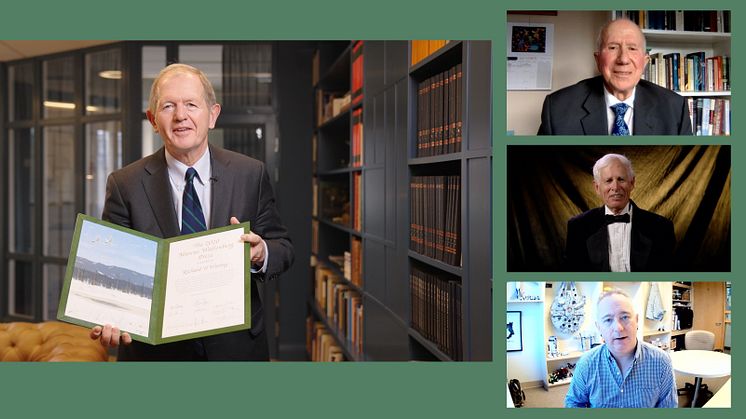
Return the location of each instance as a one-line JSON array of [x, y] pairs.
[[202, 185], [620, 240]]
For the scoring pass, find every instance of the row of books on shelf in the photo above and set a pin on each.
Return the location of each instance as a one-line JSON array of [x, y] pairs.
[[357, 72], [320, 343], [439, 113], [353, 268], [679, 20], [710, 116], [422, 49], [357, 137], [691, 73], [435, 217], [331, 104], [357, 201], [334, 199], [436, 310], [340, 303]]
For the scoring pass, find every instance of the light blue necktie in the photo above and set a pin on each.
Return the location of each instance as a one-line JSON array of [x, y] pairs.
[[192, 218], [620, 127]]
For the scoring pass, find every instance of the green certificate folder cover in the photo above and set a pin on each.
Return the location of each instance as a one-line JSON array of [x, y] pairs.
[[157, 290]]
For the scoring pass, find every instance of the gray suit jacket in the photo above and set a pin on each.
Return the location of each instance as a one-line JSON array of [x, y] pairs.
[[138, 196], [580, 109]]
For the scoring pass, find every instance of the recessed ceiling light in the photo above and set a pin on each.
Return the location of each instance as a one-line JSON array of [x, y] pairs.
[[111, 74], [58, 105]]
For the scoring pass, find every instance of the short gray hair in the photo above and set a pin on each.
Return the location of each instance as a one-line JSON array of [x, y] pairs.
[[602, 34], [607, 160], [180, 69], [610, 293]]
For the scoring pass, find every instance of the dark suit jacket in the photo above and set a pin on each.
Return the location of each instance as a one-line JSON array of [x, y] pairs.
[[581, 110], [139, 197], [651, 248]]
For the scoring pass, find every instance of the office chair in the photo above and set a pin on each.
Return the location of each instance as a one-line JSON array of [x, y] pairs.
[[699, 339]]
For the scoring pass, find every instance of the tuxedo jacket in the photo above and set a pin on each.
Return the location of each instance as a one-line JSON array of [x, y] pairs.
[[139, 197], [581, 110], [651, 245]]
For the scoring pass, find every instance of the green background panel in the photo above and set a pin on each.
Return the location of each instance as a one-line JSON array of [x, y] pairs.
[[349, 390]]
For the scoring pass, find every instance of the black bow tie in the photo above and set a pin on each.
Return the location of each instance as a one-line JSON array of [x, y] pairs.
[[611, 219]]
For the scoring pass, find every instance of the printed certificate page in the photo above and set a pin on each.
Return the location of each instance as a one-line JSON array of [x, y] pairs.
[[205, 284]]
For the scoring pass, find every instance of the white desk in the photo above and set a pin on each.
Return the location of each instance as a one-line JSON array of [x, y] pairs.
[[701, 364]]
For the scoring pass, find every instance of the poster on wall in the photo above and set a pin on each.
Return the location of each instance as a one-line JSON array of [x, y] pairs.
[[514, 332], [530, 54]]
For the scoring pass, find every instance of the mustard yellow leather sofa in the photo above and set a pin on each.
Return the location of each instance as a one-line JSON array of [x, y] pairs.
[[48, 341]]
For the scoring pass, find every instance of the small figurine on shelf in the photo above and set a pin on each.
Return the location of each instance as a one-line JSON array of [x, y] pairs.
[[552, 348], [561, 373]]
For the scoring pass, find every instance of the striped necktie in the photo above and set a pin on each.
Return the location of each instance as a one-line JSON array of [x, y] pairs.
[[620, 127], [192, 218]]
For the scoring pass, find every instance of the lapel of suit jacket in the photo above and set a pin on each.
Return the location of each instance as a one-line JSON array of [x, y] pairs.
[[595, 122], [640, 244], [598, 242], [645, 116], [222, 188], [158, 191]]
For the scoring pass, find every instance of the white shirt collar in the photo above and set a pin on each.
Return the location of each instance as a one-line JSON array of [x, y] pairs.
[[626, 210], [612, 100], [178, 169]]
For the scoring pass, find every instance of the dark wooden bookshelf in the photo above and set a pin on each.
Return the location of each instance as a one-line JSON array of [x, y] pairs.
[[334, 169], [389, 119], [473, 164], [455, 270]]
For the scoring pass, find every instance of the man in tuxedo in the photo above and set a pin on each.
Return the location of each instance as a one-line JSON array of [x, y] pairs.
[[617, 102], [155, 195], [619, 236]]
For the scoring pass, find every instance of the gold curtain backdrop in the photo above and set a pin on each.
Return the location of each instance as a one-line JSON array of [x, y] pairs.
[[690, 185]]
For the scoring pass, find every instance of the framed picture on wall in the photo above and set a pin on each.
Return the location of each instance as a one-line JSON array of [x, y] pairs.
[[514, 332]]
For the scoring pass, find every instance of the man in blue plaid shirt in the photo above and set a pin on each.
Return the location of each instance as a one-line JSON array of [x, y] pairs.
[[624, 371]]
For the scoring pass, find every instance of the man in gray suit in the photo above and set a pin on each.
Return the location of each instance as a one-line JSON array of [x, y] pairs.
[[617, 102], [147, 196]]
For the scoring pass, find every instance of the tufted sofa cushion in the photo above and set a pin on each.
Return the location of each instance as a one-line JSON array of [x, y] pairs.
[[48, 341]]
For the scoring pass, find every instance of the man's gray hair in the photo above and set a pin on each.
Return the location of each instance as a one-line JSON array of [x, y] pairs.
[[602, 34], [610, 293], [607, 160], [177, 68]]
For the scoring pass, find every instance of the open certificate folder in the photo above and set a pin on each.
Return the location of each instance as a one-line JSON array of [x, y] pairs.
[[157, 290]]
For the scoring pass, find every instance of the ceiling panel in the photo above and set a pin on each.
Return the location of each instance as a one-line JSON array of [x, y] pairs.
[[16, 50]]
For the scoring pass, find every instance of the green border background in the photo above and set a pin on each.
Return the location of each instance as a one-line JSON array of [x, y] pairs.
[[355, 390]]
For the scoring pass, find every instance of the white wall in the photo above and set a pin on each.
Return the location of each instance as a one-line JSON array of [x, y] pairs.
[[575, 35], [526, 365]]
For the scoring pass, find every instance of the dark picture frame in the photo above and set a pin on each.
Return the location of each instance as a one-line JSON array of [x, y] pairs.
[[514, 331]]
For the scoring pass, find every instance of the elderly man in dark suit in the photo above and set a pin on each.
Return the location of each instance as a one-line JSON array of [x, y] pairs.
[[149, 195], [619, 236], [617, 102]]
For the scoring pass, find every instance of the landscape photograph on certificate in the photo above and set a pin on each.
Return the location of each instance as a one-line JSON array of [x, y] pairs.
[[112, 279]]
